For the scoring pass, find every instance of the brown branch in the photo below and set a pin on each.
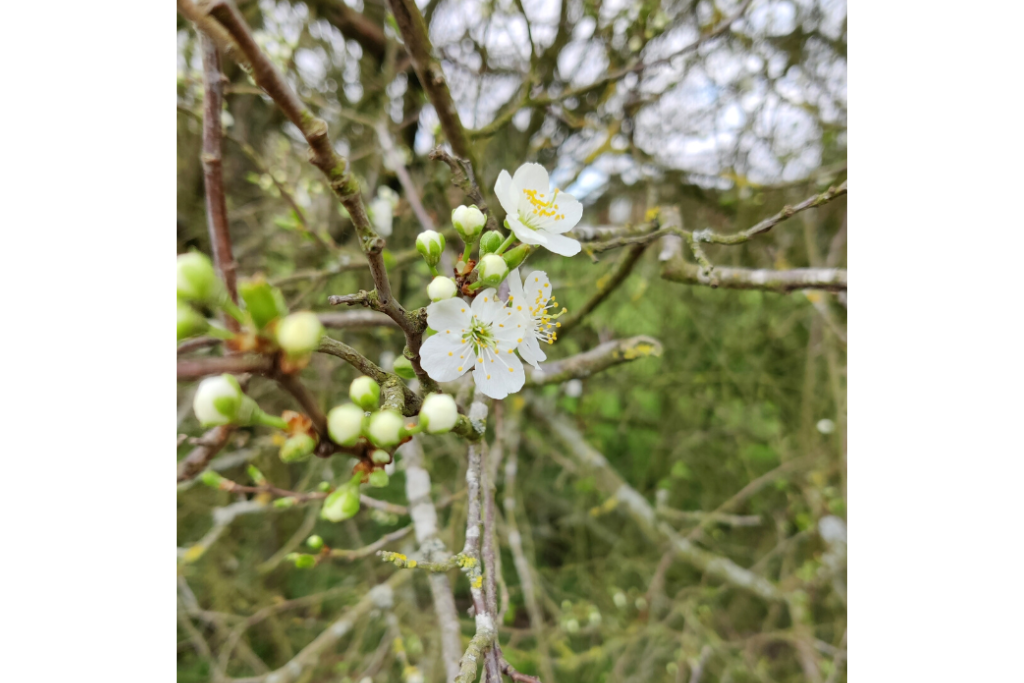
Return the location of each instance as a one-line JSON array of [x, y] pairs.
[[388, 381], [210, 444], [599, 358], [428, 69], [605, 286], [356, 320], [197, 368], [213, 177], [190, 345], [464, 178], [322, 155]]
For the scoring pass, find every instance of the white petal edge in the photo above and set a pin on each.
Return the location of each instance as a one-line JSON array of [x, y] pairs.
[[560, 244], [435, 358]]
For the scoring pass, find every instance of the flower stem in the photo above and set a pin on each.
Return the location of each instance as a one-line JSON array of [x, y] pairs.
[[506, 244], [270, 421], [433, 270]]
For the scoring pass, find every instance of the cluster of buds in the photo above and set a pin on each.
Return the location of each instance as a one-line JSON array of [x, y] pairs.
[[267, 325], [493, 264]]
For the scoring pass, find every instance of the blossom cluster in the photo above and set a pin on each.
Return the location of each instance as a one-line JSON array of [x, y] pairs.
[[474, 329]]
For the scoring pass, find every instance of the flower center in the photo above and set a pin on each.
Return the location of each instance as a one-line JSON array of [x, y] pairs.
[[479, 336], [539, 209]]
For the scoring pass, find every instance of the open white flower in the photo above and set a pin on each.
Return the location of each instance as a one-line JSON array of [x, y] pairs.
[[482, 337], [536, 214], [533, 298]]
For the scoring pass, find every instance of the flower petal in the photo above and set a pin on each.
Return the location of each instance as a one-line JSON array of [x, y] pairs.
[[525, 234], [560, 244], [515, 286], [571, 209], [450, 314], [443, 357], [501, 377], [530, 177], [503, 190], [531, 352], [486, 306], [537, 283]]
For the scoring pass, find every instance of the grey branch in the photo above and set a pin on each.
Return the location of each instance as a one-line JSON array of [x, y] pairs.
[[310, 655], [597, 359], [830, 279], [424, 519], [637, 507]]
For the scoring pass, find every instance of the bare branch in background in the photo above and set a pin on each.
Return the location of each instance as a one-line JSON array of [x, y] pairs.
[[599, 358], [829, 279]]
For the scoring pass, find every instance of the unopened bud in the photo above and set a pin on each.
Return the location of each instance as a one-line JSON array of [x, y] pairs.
[[211, 479], [345, 424], [197, 280], [220, 401], [365, 393], [305, 561], [299, 334], [298, 448], [385, 428], [378, 479], [190, 323], [263, 302], [515, 257], [468, 221], [430, 244], [492, 270], [403, 368], [380, 457], [441, 288], [439, 413], [315, 542], [341, 505], [284, 503], [490, 241]]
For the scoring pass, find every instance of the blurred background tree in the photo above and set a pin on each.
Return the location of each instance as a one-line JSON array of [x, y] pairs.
[[708, 543]]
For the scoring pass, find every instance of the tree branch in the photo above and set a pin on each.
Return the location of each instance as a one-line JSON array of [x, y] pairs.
[[597, 359], [196, 368], [830, 279], [213, 177], [211, 443]]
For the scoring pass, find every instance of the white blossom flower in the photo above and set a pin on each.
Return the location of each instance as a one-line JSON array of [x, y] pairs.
[[536, 214], [533, 299], [482, 337], [468, 221], [299, 334]]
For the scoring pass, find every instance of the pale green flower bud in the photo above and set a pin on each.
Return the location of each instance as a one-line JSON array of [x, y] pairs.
[[305, 561], [220, 401], [284, 503], [197, 280], [439, 413], [403, 368], [365, 393], [298, 448], [190, 323], [378, 479], [468, 221], [492, 270], [441, 288], [315, 542], [211, 479], [299, 334], [263, 302], [345, 424], [490, 241], [430, 244], [385, 428], [514, 257], [342, 504], [380, 457]]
